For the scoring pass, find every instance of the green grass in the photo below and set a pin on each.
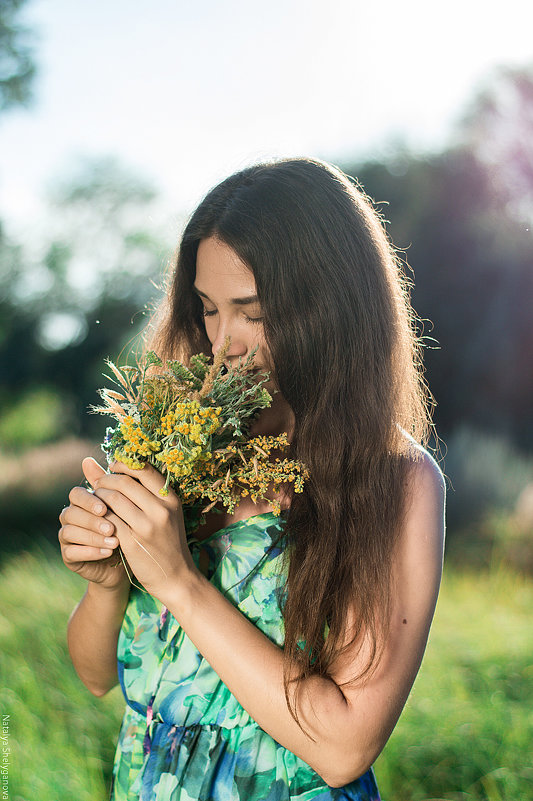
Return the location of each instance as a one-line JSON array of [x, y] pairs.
[[466, 732], [61, 737], [467, 729]]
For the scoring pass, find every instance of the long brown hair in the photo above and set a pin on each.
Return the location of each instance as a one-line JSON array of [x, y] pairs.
[[347, 358]]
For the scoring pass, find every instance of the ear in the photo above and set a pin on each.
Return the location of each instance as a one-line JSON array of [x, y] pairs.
[[92, 470]]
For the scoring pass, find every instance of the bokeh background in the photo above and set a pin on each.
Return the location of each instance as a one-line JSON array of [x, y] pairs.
[[115, 119]]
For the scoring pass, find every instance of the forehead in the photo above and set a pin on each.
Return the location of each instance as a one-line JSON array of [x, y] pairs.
[[219, 267]]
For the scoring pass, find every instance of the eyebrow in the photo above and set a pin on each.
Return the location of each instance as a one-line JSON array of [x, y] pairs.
[[236, 301]]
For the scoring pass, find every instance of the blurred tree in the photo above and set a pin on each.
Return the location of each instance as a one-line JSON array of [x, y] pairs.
[[84, 296], [102, 238], [472, 265], [17, 68]]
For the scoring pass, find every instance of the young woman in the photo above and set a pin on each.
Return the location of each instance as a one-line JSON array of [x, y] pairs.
[[273, 656]]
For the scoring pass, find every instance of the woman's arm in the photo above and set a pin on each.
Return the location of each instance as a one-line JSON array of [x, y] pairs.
[[92, 636], [349, 726], [88, 548]]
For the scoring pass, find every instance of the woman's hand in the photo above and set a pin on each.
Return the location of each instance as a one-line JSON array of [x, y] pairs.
[[149, 526], [87, 536]]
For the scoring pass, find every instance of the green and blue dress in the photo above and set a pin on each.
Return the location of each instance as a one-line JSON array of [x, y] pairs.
[[184, 736]]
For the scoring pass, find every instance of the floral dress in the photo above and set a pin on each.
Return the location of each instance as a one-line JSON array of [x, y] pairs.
[[184, 736]]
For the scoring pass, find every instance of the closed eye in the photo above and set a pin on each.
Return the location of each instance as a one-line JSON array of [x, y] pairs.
[[212, 312]]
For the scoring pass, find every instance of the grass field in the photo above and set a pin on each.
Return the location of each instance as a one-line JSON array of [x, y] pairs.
[[466, 732]]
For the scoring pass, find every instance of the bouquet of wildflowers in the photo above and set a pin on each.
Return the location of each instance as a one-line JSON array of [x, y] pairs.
[[192, 423]]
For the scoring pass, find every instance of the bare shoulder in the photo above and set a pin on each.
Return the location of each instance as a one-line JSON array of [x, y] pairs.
[[421, 545], [422, 461], [426, 480]]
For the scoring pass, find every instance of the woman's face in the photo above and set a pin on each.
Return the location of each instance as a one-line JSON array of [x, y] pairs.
[[226, 287]]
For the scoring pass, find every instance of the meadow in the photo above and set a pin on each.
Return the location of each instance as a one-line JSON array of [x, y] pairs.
[[465, 733]]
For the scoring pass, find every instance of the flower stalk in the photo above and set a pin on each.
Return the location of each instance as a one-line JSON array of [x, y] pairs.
[[192, 423]]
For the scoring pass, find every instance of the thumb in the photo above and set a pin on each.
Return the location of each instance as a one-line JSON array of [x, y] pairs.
[[92, 470]]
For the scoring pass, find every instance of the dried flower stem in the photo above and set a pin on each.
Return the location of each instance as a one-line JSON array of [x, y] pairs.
[[218, 361]]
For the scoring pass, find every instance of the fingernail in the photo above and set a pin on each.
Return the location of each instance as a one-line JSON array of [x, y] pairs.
[[106, 551], [106, 527], [99, 508], [110, 540]]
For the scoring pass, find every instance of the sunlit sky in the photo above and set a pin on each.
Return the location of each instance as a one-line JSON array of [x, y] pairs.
[[186, 92]]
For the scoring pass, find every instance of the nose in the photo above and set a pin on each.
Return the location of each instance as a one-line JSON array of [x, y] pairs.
[[237, 348]]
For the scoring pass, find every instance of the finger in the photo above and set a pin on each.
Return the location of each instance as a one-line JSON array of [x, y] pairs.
[[148, 476], [133, 490], [70, 534], [92, 470], [123, 507], [79, 496], [77, 516], [84, 553]]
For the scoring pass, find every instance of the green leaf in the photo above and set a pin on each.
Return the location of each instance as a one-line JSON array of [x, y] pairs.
[[199, 365], [183, 373], [153, 358]]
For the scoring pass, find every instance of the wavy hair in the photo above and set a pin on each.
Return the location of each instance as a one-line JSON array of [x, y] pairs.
[[347, 358]]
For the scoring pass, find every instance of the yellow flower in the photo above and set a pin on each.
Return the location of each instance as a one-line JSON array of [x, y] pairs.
[[121, 456]]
